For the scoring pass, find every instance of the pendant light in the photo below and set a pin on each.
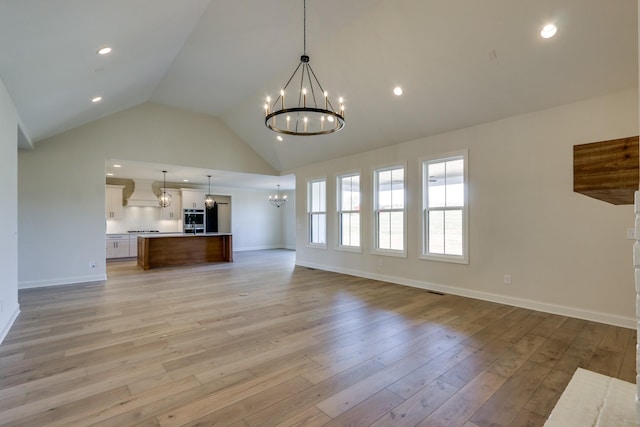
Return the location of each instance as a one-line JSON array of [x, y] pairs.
[[208, 198], [278, 200], [165, 198], [313, 114]]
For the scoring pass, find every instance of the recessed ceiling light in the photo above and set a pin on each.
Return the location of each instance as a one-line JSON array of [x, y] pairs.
[[397, 90], [279, 138], [104, 50], [185, 180], [109, 174], [96, 99], [548, 31], [117, 166]]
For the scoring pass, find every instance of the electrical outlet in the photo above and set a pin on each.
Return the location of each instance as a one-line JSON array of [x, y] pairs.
[[92, 264], [507, 279], [631, 233]]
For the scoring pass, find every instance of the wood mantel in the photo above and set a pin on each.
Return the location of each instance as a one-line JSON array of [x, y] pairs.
[[607, 170], [184, 249]]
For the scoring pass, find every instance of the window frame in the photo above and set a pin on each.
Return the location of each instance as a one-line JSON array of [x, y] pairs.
[[310, 213], [340, 211], [441, 158], [375, 249]]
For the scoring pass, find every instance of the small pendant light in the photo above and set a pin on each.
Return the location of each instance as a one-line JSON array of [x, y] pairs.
[[208, 198], [165, 198]]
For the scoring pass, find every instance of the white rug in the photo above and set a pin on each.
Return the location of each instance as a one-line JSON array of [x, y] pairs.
[[595, 400]]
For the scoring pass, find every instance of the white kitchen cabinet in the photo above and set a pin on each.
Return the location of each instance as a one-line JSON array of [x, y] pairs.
[[113, 201], [173, 211], [133, 245], [117, 246], [192, 199]]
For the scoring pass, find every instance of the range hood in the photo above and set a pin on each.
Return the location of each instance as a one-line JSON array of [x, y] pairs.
[[143, 195]]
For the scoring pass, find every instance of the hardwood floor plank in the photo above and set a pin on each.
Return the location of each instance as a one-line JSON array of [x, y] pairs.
[[528, 419], [368, 411], [245, 407], [353, 395], [312, 417], [418, 406], [546, 396], [164, 402], [228, 396], [461, 406], [293, 405], [506, 403], [261, 342], [417, 380]]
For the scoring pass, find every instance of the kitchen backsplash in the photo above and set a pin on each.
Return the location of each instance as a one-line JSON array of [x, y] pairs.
[[136, 218]]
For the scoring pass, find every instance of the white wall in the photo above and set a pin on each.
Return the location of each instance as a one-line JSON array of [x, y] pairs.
[[566, 253], [61, 184], [289, 221], [255, 224], [9, 307]]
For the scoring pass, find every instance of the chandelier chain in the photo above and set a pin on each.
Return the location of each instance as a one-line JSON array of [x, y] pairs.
[[304, 28]]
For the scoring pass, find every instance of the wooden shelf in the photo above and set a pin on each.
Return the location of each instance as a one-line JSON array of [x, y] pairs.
[[607, 170]]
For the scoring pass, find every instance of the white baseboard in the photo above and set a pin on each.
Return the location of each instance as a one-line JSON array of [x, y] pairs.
[[62, 281], [595, 316], [256, 248], [7, 327]]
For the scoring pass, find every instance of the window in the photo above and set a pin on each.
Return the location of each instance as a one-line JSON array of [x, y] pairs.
[[348, 208], [317, 211], [445, 208], [389, 210]]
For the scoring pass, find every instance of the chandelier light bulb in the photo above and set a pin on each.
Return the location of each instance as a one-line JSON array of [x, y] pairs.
[[548, 31]]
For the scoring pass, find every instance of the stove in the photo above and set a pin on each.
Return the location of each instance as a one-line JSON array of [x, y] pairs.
[[143, 231]]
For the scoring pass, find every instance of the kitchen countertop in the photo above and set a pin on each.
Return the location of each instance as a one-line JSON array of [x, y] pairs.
[[155, 235]]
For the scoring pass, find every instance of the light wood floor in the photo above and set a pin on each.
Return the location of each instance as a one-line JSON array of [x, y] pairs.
[[259, 342]]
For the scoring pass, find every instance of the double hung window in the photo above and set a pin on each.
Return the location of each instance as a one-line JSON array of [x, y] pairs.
[[317, 211], [389, 210], [348, 208], [445, 215]]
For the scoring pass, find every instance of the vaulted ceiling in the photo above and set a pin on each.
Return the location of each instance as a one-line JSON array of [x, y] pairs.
[[460, 62]]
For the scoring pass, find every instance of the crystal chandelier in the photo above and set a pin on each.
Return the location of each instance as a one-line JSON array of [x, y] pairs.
[[208, 198], [313, 114], [165, 198], [278, 200]]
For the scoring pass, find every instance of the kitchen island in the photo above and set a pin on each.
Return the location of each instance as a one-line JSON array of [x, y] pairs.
[[166, 250]]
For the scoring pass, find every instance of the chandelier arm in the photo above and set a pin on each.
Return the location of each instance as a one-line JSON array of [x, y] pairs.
[[312, 73], [313, 92], [275, 102], [301, 85]]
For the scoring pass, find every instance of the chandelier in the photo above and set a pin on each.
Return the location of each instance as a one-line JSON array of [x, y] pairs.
[[208, 198], [278, 200], [165, 198], [313, 114]]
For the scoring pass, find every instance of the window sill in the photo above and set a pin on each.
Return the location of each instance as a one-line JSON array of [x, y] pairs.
[[382, 252], [355, 249], [446, 258], [316, 245]]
